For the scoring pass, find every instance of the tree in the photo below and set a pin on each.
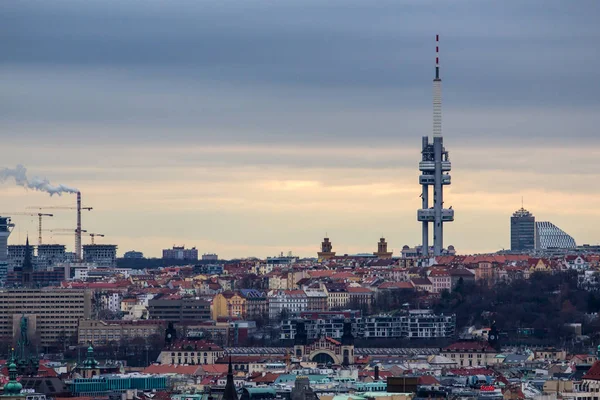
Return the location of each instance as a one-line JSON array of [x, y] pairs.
[[284, 315]]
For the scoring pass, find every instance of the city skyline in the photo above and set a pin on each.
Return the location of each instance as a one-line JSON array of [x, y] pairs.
[[266, 138]]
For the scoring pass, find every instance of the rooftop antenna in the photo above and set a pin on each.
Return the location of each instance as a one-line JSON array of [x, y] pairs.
[[522, 202], [437, 92]]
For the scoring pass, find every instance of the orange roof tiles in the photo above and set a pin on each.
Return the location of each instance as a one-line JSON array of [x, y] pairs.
[[594, 373], [173, 369]]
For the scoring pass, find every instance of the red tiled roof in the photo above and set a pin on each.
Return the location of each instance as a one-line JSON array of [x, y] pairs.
[[460, 272], [331, 340], [472, 371], [396, 285], [371, 374], [421, 281], [428, 380], [321, 273], [474, 346], [342, 275], [269, 377], [249, 359], [215, 369], [173, 369], [594, 373]]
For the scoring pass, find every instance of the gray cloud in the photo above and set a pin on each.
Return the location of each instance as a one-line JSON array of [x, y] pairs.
[[295, 71], [106, 93]]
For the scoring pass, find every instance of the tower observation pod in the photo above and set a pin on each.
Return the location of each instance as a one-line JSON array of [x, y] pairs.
[[435, 171]]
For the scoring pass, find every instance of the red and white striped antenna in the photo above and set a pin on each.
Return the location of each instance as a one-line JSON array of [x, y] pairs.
[[437, 56]]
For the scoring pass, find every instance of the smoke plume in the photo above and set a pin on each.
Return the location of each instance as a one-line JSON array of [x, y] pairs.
[[19, 173]]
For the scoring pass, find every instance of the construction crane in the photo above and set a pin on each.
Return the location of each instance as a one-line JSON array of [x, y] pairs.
[[40, 216], [65, 232], [62, 230], [93, 235], [78, 230]]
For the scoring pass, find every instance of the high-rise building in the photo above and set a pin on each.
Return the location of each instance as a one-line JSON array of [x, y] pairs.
[[435, 167], [522, 230], [550, 236], [104, 255], [180, 253], [5, 229], [53, 314], [16, 255], [50, 254]]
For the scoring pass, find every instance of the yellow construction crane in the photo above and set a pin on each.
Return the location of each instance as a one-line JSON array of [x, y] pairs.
[[39, 215], [78, 230], [93, 235]]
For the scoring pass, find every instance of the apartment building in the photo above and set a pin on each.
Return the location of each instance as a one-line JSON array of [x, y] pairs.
[[229, 304], [52, 314], [322, 323], [416, 324], [317, 299], [179, 309], [103, 332], [291, 301], [256, 303], [440, 279], [337, 295]]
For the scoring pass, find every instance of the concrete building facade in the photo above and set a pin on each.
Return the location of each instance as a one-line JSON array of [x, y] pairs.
[[103, 255], [55, 313], [103, 332], [178, 310]]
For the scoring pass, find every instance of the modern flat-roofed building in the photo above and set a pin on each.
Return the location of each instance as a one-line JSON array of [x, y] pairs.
[[52, 314], [415, 324], [178, 310], [180, 253], [103, 255], [16, 255], [50, 254]]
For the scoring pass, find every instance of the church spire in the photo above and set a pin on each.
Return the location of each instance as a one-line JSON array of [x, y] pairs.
[[27, 268], [230, 393], [13, 387]]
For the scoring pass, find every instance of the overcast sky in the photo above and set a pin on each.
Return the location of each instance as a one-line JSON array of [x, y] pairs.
[[248, 128]]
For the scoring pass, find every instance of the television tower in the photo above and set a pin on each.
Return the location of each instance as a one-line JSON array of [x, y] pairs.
[[434, 167]]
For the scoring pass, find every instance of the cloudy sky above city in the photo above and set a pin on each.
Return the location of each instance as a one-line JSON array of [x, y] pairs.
[[248, 128]]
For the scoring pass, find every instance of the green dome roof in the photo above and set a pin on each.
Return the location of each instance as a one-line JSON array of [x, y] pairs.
[[12, 387]]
